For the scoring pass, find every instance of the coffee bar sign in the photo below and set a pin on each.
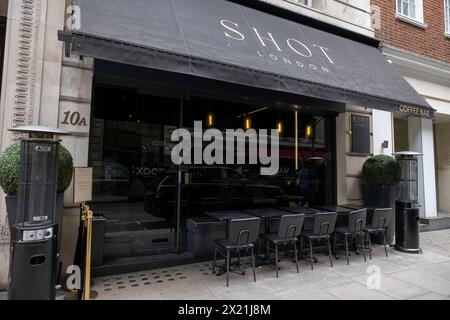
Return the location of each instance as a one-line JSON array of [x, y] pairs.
[[415, 111]]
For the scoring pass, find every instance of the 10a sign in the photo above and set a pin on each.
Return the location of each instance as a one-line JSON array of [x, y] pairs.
[[74, 118]]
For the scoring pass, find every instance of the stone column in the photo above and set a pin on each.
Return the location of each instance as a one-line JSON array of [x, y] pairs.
[[31, 81], [75, 96], [421, 139]]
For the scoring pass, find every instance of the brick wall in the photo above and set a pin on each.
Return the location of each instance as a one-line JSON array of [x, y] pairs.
[[430, 42]]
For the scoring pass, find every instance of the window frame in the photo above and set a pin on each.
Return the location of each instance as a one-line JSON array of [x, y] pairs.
[[447, 17], [297, 2], [418, 18]]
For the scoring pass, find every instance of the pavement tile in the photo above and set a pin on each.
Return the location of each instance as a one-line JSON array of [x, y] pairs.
[[403, 276], [423, 278], [356, 291], [393, 287], [430, 296]]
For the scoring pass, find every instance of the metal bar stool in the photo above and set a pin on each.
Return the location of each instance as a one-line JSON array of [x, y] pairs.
[[242, 235]]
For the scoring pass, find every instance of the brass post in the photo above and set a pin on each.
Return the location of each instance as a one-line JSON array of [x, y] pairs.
[[87, 221]]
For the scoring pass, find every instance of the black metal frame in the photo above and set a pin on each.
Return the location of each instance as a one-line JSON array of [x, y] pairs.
[[381, 227], [239, 246], [355, 230], [324, 233], [290, 237]]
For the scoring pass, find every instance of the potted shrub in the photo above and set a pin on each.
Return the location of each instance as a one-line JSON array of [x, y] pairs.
[[9, 178], [381, 177]]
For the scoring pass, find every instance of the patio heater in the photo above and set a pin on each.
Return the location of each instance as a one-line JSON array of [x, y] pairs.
[[407, 217], [33, 229]]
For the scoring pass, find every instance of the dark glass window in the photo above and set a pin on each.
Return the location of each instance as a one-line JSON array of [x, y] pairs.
[[136, 183]]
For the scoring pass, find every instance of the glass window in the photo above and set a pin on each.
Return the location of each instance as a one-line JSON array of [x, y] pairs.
[[304, 2], [136, 183], [447, 16], [134, 178], [412, 9]]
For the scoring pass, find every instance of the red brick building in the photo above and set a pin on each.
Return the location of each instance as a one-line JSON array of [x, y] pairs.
[[417, 26], [415, 36]]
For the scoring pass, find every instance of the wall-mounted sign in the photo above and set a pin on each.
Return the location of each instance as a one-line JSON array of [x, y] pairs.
[[415, 111], [74, 117], [82, 185], [360, 134]]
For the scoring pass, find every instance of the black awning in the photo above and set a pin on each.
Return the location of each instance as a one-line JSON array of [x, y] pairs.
[[225, 41]]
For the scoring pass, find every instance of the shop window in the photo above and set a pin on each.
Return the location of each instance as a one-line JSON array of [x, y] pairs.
[[410, 10], [447, 17], [136, 187]]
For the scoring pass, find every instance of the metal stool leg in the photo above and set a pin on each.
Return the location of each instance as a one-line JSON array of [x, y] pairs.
[[260, 242], [364, 247], [384, 240], [346, 250], [329, 251], [296, 255], [311, 254], [301, 247], [368, 235], [228, 266], [253, 265], [215, 258], [276, 258]]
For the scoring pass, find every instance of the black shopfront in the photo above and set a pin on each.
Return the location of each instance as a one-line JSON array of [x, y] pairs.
[[162, 65]]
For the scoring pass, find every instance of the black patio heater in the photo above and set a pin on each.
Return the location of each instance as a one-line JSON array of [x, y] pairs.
[[407, 216], [34, 232]]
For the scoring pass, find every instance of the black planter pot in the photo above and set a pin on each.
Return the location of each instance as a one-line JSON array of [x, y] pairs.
[[376, 196]]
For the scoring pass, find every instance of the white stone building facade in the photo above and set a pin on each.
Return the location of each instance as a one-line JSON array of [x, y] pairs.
[[41, 83]]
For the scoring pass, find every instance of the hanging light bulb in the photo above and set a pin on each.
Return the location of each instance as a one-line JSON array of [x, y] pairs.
[[210, 119], [247, 123], [309, 131], [280, 127]]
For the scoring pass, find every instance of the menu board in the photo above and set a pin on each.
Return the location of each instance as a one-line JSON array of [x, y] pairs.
[[82, 185], [360, 134]]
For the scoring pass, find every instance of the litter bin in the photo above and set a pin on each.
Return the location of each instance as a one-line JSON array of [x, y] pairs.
[[201, 235]]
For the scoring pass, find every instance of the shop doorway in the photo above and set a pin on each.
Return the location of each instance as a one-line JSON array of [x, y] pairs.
[[144, 200], [442, 147]]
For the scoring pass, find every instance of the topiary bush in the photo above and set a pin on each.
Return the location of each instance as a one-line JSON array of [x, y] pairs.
[[10, 169], [381, 170]]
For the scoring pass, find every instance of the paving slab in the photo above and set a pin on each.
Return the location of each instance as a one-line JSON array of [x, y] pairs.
[[402, 276]]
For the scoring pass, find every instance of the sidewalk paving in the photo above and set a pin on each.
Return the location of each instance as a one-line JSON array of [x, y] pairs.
[[403, 276]]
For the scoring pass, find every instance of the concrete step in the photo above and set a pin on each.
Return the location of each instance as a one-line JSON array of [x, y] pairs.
[[441, 222]]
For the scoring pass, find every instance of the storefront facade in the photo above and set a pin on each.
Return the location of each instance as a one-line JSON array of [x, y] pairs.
[[418, 45], [121, 101]]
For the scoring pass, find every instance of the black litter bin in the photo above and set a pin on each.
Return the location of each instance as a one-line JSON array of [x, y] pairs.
[[201, 235], [407, 227]]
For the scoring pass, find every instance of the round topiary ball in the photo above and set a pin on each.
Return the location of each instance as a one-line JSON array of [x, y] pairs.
[[381, 170], [10, 169]]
